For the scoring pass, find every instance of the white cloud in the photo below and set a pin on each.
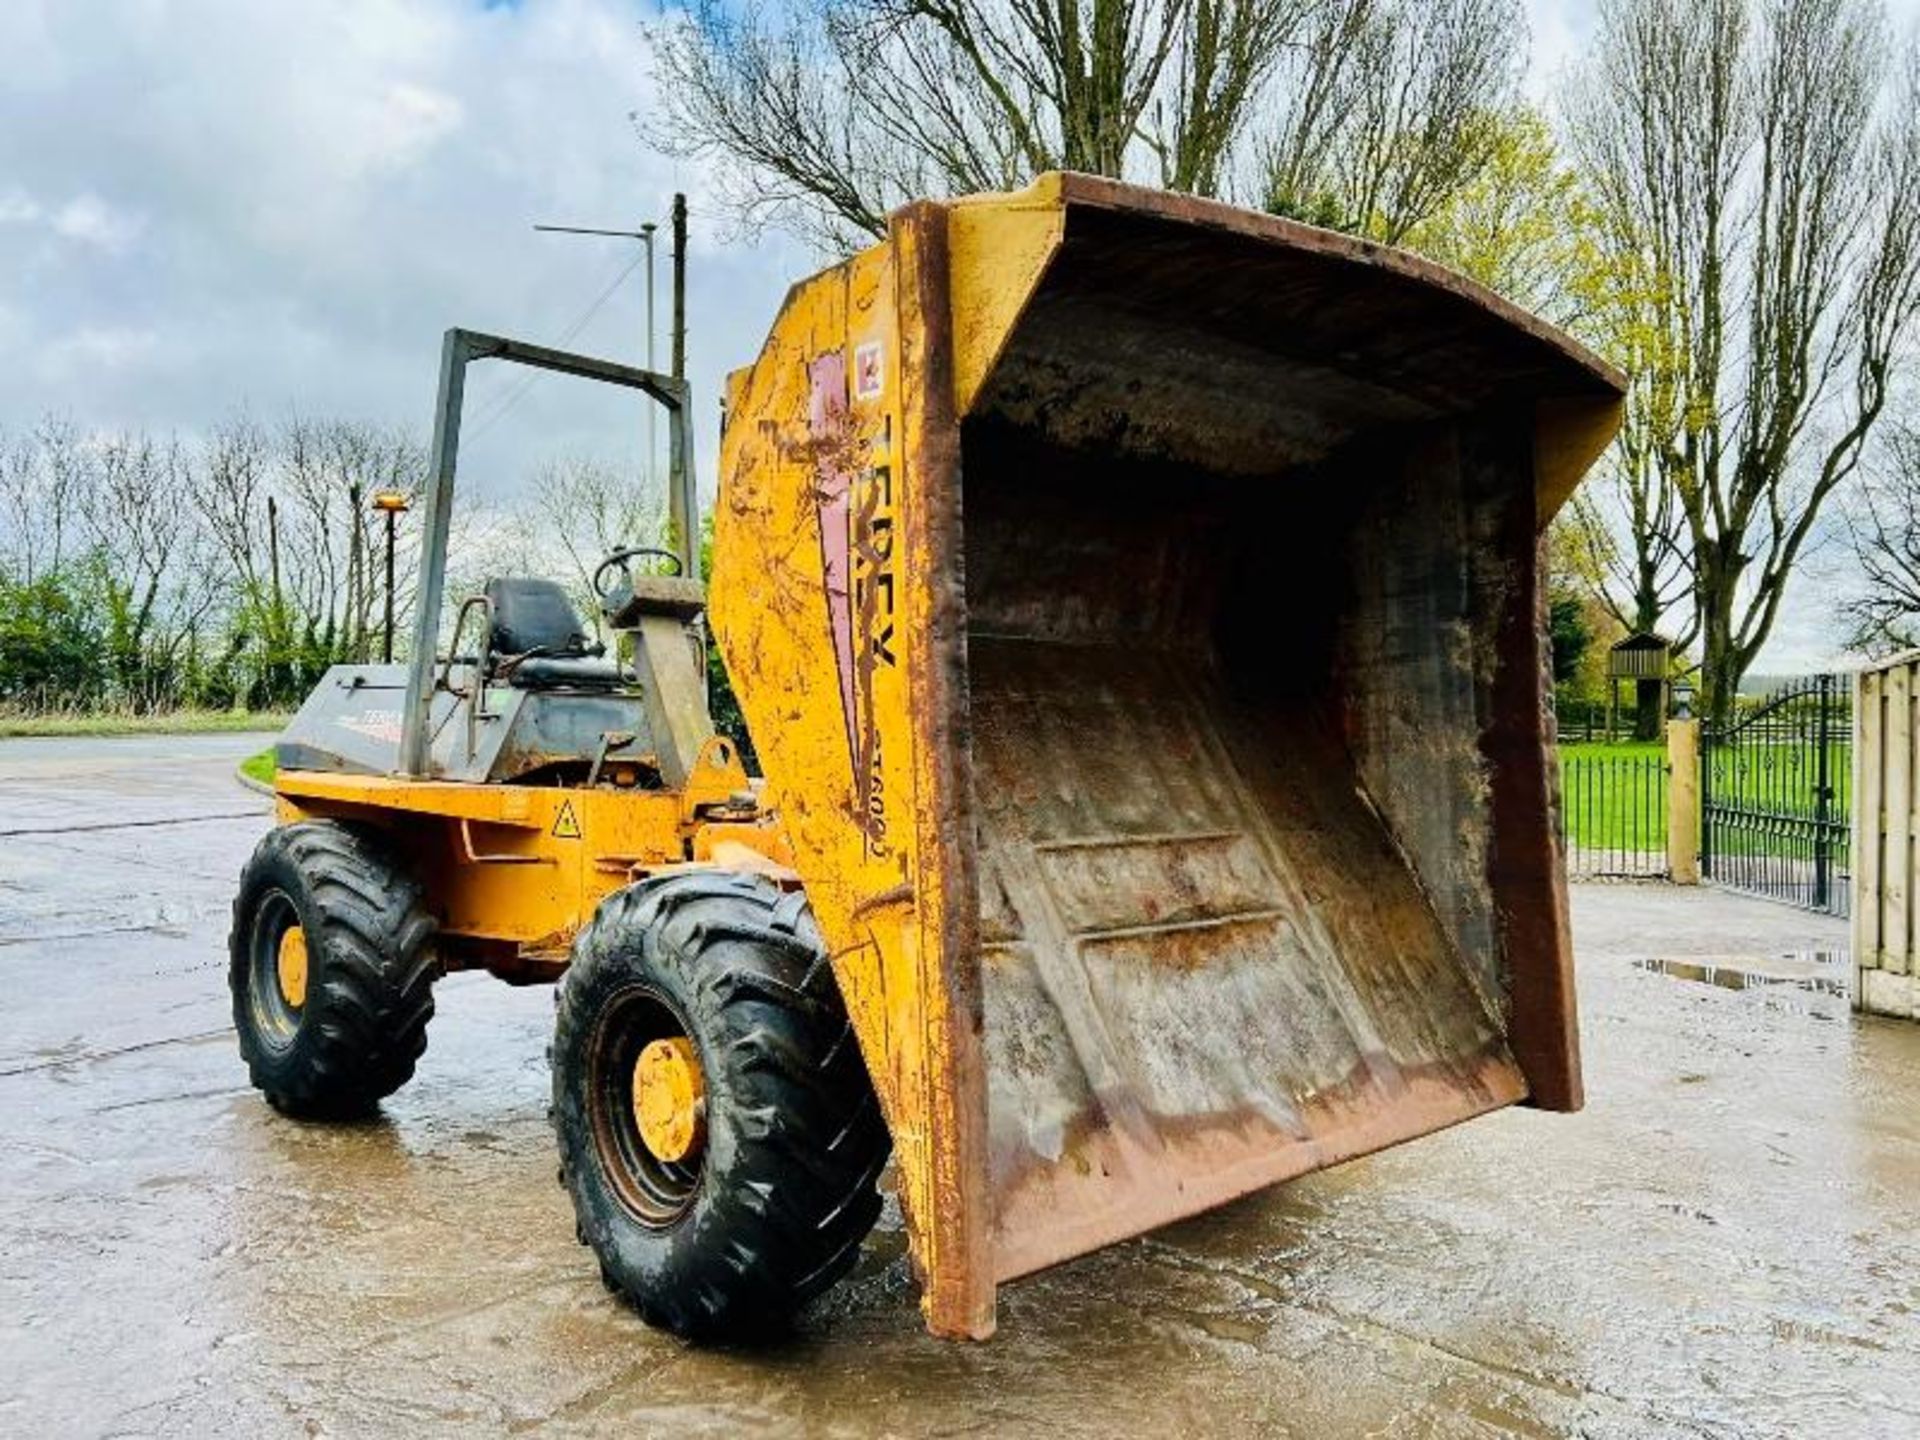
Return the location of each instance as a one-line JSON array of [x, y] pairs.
[[93, 353], [414, 120], [17, 207], [207, 204], [92, 221], [221, 203]]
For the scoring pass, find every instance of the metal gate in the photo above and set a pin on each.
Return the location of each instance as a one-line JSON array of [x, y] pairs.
[[1613, 814], [1773, 797]]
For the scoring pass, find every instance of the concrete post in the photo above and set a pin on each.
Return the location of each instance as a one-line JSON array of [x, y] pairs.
[[1683, 801]]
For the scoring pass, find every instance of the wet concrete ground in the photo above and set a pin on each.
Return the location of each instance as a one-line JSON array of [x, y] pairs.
[[1727, 1241]]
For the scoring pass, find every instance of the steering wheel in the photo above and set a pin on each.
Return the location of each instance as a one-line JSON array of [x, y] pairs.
[[622, 560]]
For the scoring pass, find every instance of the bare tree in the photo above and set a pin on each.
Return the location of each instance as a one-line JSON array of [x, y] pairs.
[[325, 475], [233, 568], [1882, 517], [364, 460], [1223, 70], [1763, 166], [134, 500], [395, 462], [826, 119], [1391, 108], [236, 461], [40, 475], [581, 509], [23, 525]]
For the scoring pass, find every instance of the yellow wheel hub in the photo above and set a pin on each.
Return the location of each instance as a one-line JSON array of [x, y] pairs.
[[670, 1099], [291, 966]]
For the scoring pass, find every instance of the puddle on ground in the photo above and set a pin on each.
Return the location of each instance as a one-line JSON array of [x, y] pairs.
[[1786, 980]]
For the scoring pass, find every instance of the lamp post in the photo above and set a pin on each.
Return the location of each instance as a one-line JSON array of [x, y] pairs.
[[645, 236], [393, 504], [1683, 693]]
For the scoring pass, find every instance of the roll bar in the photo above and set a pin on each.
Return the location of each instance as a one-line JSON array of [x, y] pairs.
[[459, 349]]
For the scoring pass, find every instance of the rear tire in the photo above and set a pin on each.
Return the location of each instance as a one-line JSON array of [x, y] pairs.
[[331, 1034], [770, 1210]]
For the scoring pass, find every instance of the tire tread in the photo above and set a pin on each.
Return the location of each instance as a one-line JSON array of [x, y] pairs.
[[787, 1218], [376, 966]]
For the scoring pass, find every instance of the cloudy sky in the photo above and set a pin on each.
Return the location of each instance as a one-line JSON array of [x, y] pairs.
[[217, 203], [214, 204]]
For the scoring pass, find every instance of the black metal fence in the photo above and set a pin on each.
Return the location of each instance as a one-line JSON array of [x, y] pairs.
[[1613, 813], [1774, 800]]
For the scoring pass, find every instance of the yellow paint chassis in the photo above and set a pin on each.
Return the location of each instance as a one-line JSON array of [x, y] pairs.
[[516, 870]]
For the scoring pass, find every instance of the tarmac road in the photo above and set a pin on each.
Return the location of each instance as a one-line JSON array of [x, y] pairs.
[[1726, 1242]]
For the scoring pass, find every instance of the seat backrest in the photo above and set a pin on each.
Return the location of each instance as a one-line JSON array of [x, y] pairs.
[[533, 614]]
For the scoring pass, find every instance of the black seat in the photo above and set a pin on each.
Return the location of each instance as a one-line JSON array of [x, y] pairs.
[[537, 672], [539, 642], [533, 616]]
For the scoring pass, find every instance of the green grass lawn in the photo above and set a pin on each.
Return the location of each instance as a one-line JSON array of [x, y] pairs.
[[1614, 797], [15, 723], [1781, 777], [259, 767], [1618, 749]]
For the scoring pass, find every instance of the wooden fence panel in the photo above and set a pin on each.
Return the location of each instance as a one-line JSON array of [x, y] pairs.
[[1886, 795], [1869, 727]]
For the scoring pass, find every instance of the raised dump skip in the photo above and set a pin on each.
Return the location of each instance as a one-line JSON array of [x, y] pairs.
[[1141, 637], [1208, 963]]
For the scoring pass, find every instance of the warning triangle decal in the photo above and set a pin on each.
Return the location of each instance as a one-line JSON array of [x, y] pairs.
[[566, 826]]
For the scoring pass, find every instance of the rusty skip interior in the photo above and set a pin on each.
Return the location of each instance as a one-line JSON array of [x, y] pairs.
[[1265, 865]]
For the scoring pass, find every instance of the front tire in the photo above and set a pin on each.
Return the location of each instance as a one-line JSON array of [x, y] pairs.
[[332, 969], [723, 1219]]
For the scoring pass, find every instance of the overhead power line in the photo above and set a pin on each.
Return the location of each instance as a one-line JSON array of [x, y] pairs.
[[514, 395]]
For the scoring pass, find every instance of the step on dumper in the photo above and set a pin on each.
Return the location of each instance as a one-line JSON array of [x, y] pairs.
[[1137, 607]]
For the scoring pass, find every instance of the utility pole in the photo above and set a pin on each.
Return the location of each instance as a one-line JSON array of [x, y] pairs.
[[354, 642], [679, 286]]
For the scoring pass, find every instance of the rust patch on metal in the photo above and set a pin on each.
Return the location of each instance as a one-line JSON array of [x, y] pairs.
[[1528, 870], [960, 1298], [1198, 937], [1283, 234], [900, 894], [1114, 1184]]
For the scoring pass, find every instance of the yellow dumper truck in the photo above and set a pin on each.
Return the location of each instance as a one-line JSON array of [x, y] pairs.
[[1136, 608]]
